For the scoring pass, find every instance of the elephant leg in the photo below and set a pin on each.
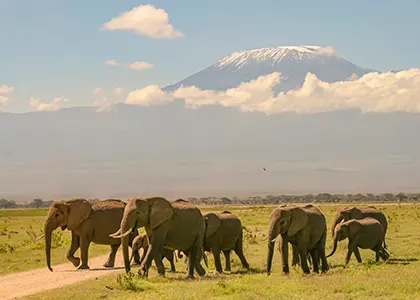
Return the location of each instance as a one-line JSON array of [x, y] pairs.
[[295, 256], [321, 254], [159, 264], [217, 262], [227, 260], [240, 252], [73, 248], [357, 254], [111, 258], [350, 249], [157, 242], [170, 257], [284, 248], [315, 260], [143, 255], [304, 259], [84, 249]]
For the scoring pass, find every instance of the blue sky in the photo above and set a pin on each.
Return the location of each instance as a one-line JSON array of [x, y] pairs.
[[56, 48]]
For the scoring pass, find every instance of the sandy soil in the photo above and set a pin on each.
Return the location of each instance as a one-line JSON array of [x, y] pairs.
[[38, 280]]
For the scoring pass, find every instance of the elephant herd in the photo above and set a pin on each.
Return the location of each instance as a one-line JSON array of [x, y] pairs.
[[178, 226]]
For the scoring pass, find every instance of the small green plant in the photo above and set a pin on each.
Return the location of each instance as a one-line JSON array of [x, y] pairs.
[[127, 281], [6, 248]]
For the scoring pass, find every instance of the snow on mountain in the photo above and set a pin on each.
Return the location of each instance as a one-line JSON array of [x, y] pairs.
[[293, 62]]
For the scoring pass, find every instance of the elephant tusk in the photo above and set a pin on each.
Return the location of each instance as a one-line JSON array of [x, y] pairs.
[[115, 233], [40, 237], [124, 234]]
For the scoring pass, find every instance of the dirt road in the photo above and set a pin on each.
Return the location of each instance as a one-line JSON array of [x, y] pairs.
[[34, 281]]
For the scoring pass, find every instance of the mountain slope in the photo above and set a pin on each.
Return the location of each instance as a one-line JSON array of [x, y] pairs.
[[294, 62], [174, 151]]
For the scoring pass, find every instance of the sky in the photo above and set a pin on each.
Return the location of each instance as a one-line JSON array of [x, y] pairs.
[[81, 53]]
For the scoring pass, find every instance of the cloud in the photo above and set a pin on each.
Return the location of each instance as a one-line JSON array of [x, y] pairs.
[[137, 65], [329, 51], [150, 95], [5, 89], [112, 62], [37, 105], [97, 91], [140, 65], [145, 20], [118, 91], [3, 100], [373, 92]]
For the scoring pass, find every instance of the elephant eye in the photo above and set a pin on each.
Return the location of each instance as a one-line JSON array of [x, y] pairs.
[[57, 215]]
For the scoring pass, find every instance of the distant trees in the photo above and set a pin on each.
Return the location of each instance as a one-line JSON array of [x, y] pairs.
[[261, 200]]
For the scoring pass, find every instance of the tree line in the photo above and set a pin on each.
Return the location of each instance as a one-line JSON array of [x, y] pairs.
[[262, 200]]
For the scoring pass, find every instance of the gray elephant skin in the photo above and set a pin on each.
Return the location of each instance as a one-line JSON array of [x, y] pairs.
[[142, 242], [177, 225], [304, 227], [224, 234], [88, 223], [366, 233], [349, 213]]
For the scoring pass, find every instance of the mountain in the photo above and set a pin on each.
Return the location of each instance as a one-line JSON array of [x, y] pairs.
[[294, 62], [176, 152]]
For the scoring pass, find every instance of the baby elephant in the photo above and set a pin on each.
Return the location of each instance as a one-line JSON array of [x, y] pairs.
[[224, 233], [142, 241], [366, 233]]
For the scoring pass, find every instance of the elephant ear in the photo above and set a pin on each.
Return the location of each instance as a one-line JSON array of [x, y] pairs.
[[298, 220], [160, 210], [213, 224], [78, 211]]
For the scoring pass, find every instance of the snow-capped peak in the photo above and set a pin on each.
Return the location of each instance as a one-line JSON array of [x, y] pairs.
[[274, 54]]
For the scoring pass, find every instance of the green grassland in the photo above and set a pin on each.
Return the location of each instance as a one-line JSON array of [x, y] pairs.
[[396, 279], [19, 250]]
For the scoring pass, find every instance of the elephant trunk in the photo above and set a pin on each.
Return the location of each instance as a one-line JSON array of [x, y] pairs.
[[334, 247], [47, 234], [126, 227], [337, 220], [272, 234]]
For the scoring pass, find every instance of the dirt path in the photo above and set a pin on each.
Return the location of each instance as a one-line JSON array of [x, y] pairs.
[[38, 280]]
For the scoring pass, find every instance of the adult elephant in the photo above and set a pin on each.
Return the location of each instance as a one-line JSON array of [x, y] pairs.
[[304, 227], [224, 233], [349, 213], [88, 222], [177, 225]]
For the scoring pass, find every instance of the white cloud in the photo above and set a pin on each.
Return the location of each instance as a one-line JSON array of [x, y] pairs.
[[112, 62], [3, 100], [37, 105], [118, 91], [149, 95], [373, 92], [145, 20], [5, 89], [329, 51], [137, 65], [97, 91], [140, 65]]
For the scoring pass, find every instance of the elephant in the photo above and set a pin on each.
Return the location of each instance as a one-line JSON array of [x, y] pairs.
[[177, 225], [142, 242], [88, 222], [349, 213], [224, 233], [366, 233], [304, 227]]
